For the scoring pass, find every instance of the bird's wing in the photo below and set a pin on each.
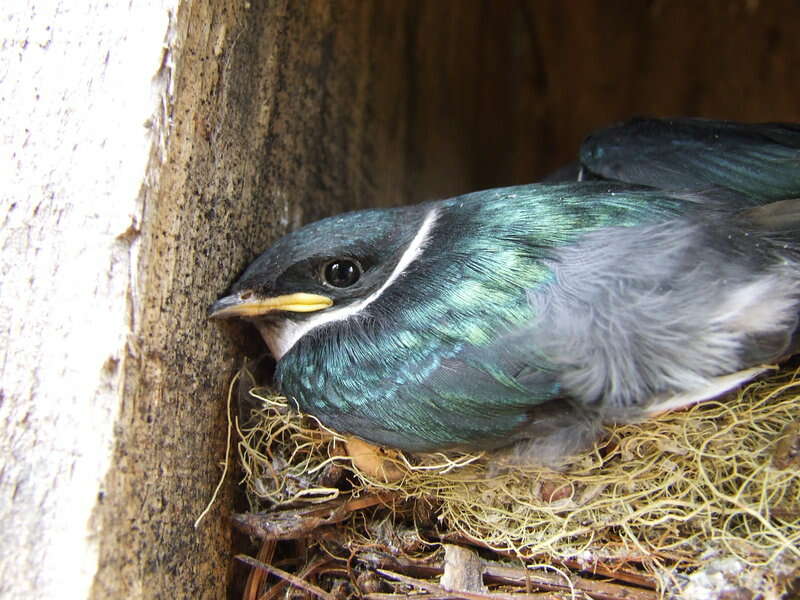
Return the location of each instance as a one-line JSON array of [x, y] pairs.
[[618, 316], [760, 160], [636, 313], [606, 295], [468, 396], [502, 394]]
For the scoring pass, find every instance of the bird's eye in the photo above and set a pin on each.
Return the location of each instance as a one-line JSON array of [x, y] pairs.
[[341, 272]]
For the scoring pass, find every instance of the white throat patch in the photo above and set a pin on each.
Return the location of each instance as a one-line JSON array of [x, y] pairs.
[[280, 336]]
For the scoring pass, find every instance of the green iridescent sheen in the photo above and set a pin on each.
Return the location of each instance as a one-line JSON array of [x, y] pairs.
[[537, 313], [390, 364]]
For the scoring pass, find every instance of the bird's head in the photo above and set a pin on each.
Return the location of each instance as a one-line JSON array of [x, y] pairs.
[[323, 272]]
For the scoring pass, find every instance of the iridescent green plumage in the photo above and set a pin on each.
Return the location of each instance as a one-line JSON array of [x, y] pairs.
[[538, 312]]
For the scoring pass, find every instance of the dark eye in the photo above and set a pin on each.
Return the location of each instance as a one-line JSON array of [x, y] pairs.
[[341, 272]]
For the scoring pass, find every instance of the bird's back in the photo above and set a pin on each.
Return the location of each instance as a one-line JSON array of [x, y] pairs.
[[536, 313]]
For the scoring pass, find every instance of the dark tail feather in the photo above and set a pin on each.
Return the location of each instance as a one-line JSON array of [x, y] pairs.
[[759, 160]]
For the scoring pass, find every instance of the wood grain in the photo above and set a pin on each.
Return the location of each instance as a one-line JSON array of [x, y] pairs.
[[286, 111]]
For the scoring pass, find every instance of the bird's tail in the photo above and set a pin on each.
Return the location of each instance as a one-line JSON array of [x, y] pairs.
[[761, 161]]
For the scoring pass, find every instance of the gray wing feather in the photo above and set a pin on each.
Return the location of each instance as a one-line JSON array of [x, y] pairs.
[[636, 313]]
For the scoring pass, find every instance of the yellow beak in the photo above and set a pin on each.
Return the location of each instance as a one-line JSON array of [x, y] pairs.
[[248, 304]]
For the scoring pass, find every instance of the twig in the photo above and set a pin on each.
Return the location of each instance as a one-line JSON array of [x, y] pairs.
[[408, 566], [256, 576], [440, 592], [292, 579], [640, 579], [501, 574], [300, 522], [457, 595], [601, 590], [308, 571]]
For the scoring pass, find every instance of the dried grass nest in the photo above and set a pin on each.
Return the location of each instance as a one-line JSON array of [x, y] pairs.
[[693, 504]]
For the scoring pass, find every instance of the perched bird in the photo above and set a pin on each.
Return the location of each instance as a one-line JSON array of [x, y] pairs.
[[532, 315]]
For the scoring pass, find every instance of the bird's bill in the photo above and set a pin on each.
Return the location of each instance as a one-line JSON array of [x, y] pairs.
[[248, 304]]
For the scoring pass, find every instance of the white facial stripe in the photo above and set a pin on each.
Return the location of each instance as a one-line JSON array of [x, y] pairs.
[[281, 336]]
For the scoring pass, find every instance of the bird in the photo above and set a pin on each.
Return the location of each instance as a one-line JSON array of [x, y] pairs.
[[660, 270]]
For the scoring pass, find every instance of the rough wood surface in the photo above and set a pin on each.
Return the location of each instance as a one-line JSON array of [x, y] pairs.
[[273, 113], [76, 87], [281, 112], [463, 570]]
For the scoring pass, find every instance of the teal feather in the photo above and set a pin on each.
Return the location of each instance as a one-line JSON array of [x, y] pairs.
[[538, 312], [397, 356]]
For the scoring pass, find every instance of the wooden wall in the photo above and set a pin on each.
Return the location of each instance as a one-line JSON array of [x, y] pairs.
[[284, 111]]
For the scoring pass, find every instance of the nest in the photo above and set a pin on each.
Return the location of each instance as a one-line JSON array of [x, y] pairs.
[[695, 503]]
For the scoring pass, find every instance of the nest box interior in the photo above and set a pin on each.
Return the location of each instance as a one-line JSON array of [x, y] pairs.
[[284, 112]]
